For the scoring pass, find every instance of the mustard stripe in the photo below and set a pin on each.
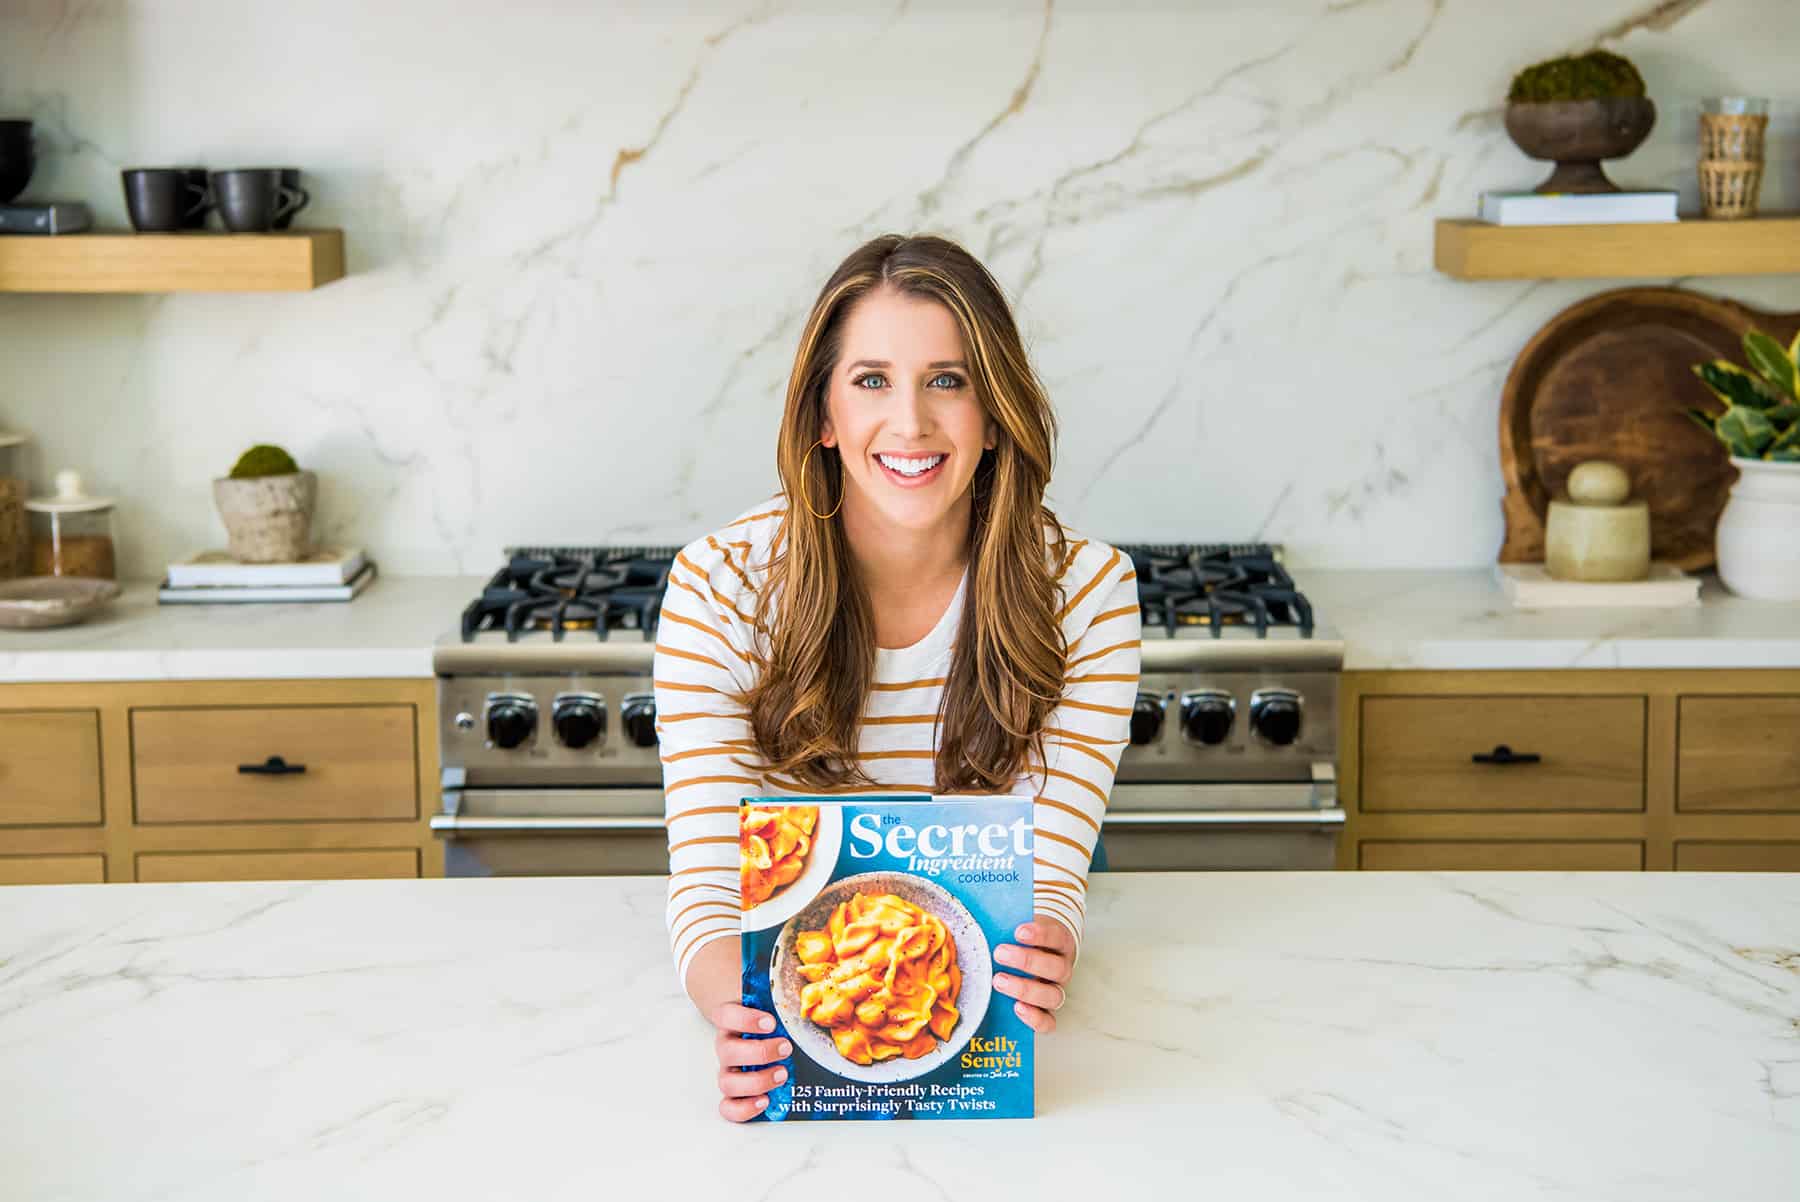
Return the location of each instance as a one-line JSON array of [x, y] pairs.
[[700, 937], [688, 717], [705, 918], [1069, 560], [701, 885], [1088, 587], [731, 868], [675, 617], [1043, 863], [698, 904], [1040, 885], [682, 686], [1098, 709], [729, 562], [1085, 738], [896, 719], [1102, 676], [710, 780], [902, 685], [1068, 809], [1105, 651], [1056, 838], [678, 653], [675, 847], [755, 517], [896, 755], [1070, 917], [1085, 750], [721, 749], [1089, 785]]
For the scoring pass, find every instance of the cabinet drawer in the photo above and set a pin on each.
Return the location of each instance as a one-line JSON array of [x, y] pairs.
[[1739, 755], [49, 767], [277, 865], [359, 760], [1480, 855], [1710, 856], [52, 870], [1417, 753]]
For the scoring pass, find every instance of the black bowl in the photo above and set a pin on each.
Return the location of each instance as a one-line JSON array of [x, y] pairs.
[[16, 160]]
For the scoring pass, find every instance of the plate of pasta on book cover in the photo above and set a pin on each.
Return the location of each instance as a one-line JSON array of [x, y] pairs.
[[880, 972], [785, 856]]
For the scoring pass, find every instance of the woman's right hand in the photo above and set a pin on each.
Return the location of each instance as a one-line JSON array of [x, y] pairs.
[[746, 1093]]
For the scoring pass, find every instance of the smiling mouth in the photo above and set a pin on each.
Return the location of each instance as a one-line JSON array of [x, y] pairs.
[[911, 469]]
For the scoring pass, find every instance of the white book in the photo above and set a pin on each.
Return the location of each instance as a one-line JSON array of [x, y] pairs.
[[217, 569], [1559, 208], [1530, 586], [217, 594]]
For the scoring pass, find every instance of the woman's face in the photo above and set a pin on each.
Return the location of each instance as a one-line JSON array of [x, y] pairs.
[[902, 412]]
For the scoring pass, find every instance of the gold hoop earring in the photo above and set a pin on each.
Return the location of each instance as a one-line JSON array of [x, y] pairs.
[[807, 500]]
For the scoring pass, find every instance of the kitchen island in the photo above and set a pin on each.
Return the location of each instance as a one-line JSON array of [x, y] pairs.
[[1265, 1035]]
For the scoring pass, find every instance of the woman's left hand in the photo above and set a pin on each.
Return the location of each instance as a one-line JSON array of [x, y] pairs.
[[1046, 951]]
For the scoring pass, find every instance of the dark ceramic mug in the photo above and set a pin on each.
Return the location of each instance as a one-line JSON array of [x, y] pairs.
[[16, 159], [254, 199], [165, 199]]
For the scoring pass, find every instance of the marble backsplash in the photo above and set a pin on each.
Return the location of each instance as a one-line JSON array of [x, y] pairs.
[[582, 239]]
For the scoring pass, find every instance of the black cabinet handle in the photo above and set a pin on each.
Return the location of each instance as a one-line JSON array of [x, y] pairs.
[[1506, 755], [273, 766]]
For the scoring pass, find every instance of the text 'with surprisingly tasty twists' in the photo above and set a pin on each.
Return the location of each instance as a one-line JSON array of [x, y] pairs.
[[869, 928]]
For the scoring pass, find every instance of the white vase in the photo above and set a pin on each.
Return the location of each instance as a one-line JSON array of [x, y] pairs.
[[1758, 539]]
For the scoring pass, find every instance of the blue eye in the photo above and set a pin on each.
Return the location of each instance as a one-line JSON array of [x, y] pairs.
[[862, 380], [955, 381]]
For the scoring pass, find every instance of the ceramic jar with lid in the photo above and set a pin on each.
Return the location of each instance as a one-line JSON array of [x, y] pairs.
[[71, 532], [1597, 533], [15, 534]]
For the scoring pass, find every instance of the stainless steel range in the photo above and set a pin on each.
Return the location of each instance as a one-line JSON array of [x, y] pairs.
[[548, 720]]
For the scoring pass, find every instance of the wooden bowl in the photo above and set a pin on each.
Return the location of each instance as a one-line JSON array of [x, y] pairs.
[[1577, 134], [1608, 378], [31, 602]]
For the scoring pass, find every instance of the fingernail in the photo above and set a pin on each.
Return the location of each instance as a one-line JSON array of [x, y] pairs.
[[761, 1102], [780, 1075], [1024, 932], [766, 1024], [787, 1049], [1005, 954]]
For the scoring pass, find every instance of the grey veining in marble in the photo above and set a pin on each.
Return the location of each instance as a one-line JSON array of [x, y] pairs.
[[1388, 1036], [583, 238]]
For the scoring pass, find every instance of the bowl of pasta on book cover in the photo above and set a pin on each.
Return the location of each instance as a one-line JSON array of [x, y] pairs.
[[868, 929]]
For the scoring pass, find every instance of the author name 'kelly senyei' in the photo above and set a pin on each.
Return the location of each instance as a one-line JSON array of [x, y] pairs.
[[869, 925]]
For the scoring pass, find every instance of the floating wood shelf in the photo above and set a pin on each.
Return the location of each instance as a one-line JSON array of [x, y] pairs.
[[1475, 250], [293, 261]]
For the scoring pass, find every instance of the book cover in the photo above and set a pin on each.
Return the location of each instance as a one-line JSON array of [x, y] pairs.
[[217, 569], [281, 594], [868, 929], [1559, 208]]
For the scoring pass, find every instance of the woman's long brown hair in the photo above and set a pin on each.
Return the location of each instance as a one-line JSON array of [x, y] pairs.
[[1006, 673]]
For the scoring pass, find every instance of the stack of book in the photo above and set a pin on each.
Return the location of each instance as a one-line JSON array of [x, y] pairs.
[[328, 574], [1564, 208]]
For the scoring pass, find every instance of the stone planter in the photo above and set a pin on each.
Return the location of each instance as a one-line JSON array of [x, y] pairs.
[[268, 519], [1577, 135], [1758, 539]]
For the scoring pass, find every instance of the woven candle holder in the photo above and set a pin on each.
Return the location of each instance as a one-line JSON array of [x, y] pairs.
[[1728, 188], [1737, 136]]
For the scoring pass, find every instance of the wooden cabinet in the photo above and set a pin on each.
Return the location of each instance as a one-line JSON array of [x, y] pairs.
[[1739, 755], [277, 865], [49, 767], [141, 781], [275, 763], [1487, 752], [1657, 770], [1474, 855]]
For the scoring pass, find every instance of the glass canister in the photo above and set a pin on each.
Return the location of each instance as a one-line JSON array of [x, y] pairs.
[[71, 532], [15, 533]]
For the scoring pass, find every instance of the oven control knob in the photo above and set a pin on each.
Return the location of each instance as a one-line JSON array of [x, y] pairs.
[[579, 720], [639, 719], [511, 720], [1207, 716], [1146, 718], [1275, 715]]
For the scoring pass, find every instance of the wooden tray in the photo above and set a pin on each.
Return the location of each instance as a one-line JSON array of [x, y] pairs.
[[1608, 378]]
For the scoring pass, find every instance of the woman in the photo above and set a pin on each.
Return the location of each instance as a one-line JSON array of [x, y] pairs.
[[906, 616]]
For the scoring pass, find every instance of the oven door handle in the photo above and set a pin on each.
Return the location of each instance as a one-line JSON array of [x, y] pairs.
[[1314, 818], [452, 825]]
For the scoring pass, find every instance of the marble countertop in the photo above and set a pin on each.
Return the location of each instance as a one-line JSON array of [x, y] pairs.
[[1388, 620], [1631, 1037]]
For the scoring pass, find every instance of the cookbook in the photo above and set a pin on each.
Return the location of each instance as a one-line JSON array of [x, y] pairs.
[[869, 925]]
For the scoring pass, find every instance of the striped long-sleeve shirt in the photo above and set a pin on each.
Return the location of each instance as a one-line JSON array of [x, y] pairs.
[[709, 756]]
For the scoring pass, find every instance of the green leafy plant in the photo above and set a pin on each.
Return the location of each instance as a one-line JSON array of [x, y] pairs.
[[1596, 75], [1762, 407], [263, 460]]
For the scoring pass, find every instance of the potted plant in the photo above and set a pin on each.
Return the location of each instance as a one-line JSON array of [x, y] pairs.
[[1758, 539], [266, 504], [1576, 112]]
